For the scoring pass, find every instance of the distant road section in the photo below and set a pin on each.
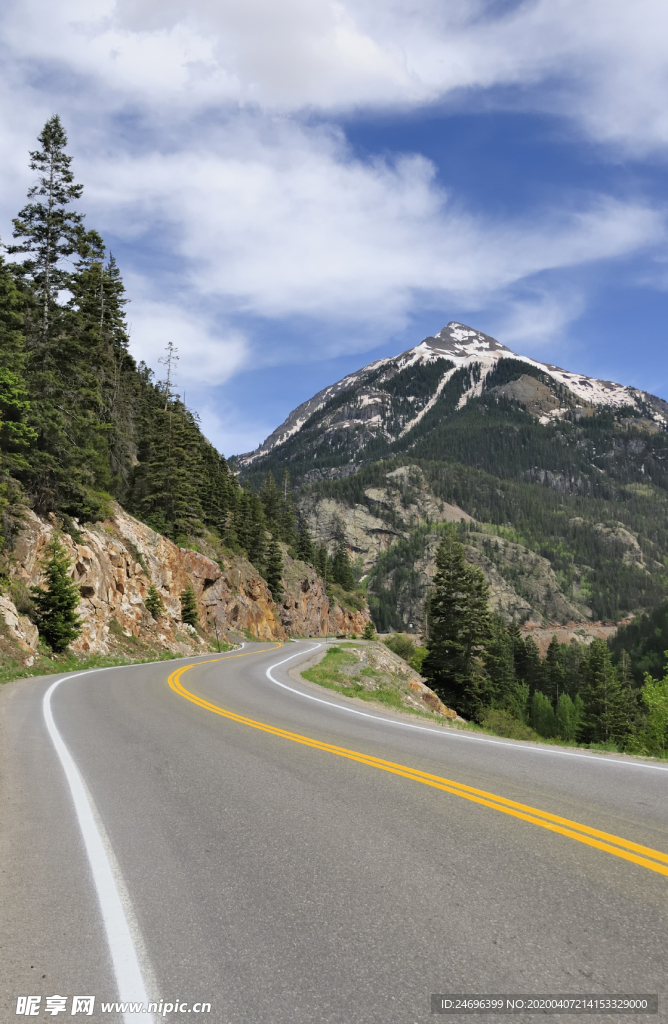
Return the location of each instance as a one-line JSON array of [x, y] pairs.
[[217, 831]]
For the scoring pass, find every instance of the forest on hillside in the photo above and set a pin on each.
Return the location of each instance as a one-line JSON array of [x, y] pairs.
[[81, 422], [578, 533]]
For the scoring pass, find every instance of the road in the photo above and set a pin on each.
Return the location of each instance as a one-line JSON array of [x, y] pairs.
[[286, 882]]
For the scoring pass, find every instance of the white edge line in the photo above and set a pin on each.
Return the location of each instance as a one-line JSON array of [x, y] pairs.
[[129, 978], [450, 734]]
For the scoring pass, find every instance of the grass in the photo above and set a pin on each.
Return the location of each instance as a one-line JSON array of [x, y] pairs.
[[330, 673], [46, 665]]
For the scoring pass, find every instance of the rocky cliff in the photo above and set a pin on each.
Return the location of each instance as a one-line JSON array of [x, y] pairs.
[[306, 610], [114, 563]]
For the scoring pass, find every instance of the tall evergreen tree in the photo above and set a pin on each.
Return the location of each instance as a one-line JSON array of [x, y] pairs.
[[60, 372], [542, 717], [287, 517], [533, 666], [499, 662], [165, 491], [16, 436], [271, 500], [342, 572], [553, 672], [189, 612], [274, 569], [305, 546], [48, 231], [323, 565], [459, 628], [601, 694], [57, 618]]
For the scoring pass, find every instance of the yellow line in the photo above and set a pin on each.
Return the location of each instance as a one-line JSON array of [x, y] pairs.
[[645, 856]]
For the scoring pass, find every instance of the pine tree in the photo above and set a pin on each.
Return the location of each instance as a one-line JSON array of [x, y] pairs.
[[342, 572], [153, 603], [189, 612], [518, 649], [553, 672], [165, 490], [69, 453], [601, 693], [574, 658], [323, 565], [534, 674], [369, 633], [57, 620], [16, 435], [49, 231], [274, 569], [459, 628], [567, 719], [287, 517], [271, 500], [542, 717], [305, 546], [499, 662]]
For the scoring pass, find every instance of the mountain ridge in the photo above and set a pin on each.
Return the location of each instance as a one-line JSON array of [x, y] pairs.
[[461, 346], [565, 476]]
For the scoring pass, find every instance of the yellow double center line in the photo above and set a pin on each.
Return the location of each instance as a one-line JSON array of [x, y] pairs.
[[646, 857]]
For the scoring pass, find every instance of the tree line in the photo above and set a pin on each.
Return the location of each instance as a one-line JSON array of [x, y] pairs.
[[487, 671]]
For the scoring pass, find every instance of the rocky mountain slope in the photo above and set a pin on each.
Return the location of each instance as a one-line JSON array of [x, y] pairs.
[[115, 562], [388, 399], [565, 476]]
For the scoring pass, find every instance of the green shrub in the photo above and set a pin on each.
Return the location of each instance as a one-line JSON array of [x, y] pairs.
[[153, 602], [502, 723], [189, 606], [401, 644]]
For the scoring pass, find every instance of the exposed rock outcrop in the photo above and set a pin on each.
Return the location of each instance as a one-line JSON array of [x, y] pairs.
[[306, 610], [522, 584], [115, 563], [582, 633], [389, 513]]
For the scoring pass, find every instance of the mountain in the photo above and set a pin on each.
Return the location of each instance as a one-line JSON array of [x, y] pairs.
[[558, 481], [388, 398]]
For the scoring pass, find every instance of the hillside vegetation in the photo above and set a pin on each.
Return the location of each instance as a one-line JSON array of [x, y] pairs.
[[82, 424], [569, 498]]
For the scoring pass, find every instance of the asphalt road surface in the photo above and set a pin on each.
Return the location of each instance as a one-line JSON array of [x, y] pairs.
[[159, 842]]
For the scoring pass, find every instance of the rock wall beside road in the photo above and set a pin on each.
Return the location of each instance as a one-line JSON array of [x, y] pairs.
[[115, 563]]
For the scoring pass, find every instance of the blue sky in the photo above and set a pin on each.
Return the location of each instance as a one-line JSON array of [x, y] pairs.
[[294, 190]]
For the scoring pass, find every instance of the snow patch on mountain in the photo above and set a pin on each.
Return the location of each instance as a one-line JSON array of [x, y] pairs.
[[431, 403], [463, 346]]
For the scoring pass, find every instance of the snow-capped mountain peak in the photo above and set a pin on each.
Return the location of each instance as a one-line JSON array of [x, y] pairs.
[[461, 346]]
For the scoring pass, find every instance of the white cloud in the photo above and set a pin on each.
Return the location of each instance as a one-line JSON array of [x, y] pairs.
[[601, 62], [204, 352], [538, 317], [287, 223]]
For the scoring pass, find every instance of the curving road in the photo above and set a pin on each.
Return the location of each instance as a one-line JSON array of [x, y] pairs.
[[224, 833]]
